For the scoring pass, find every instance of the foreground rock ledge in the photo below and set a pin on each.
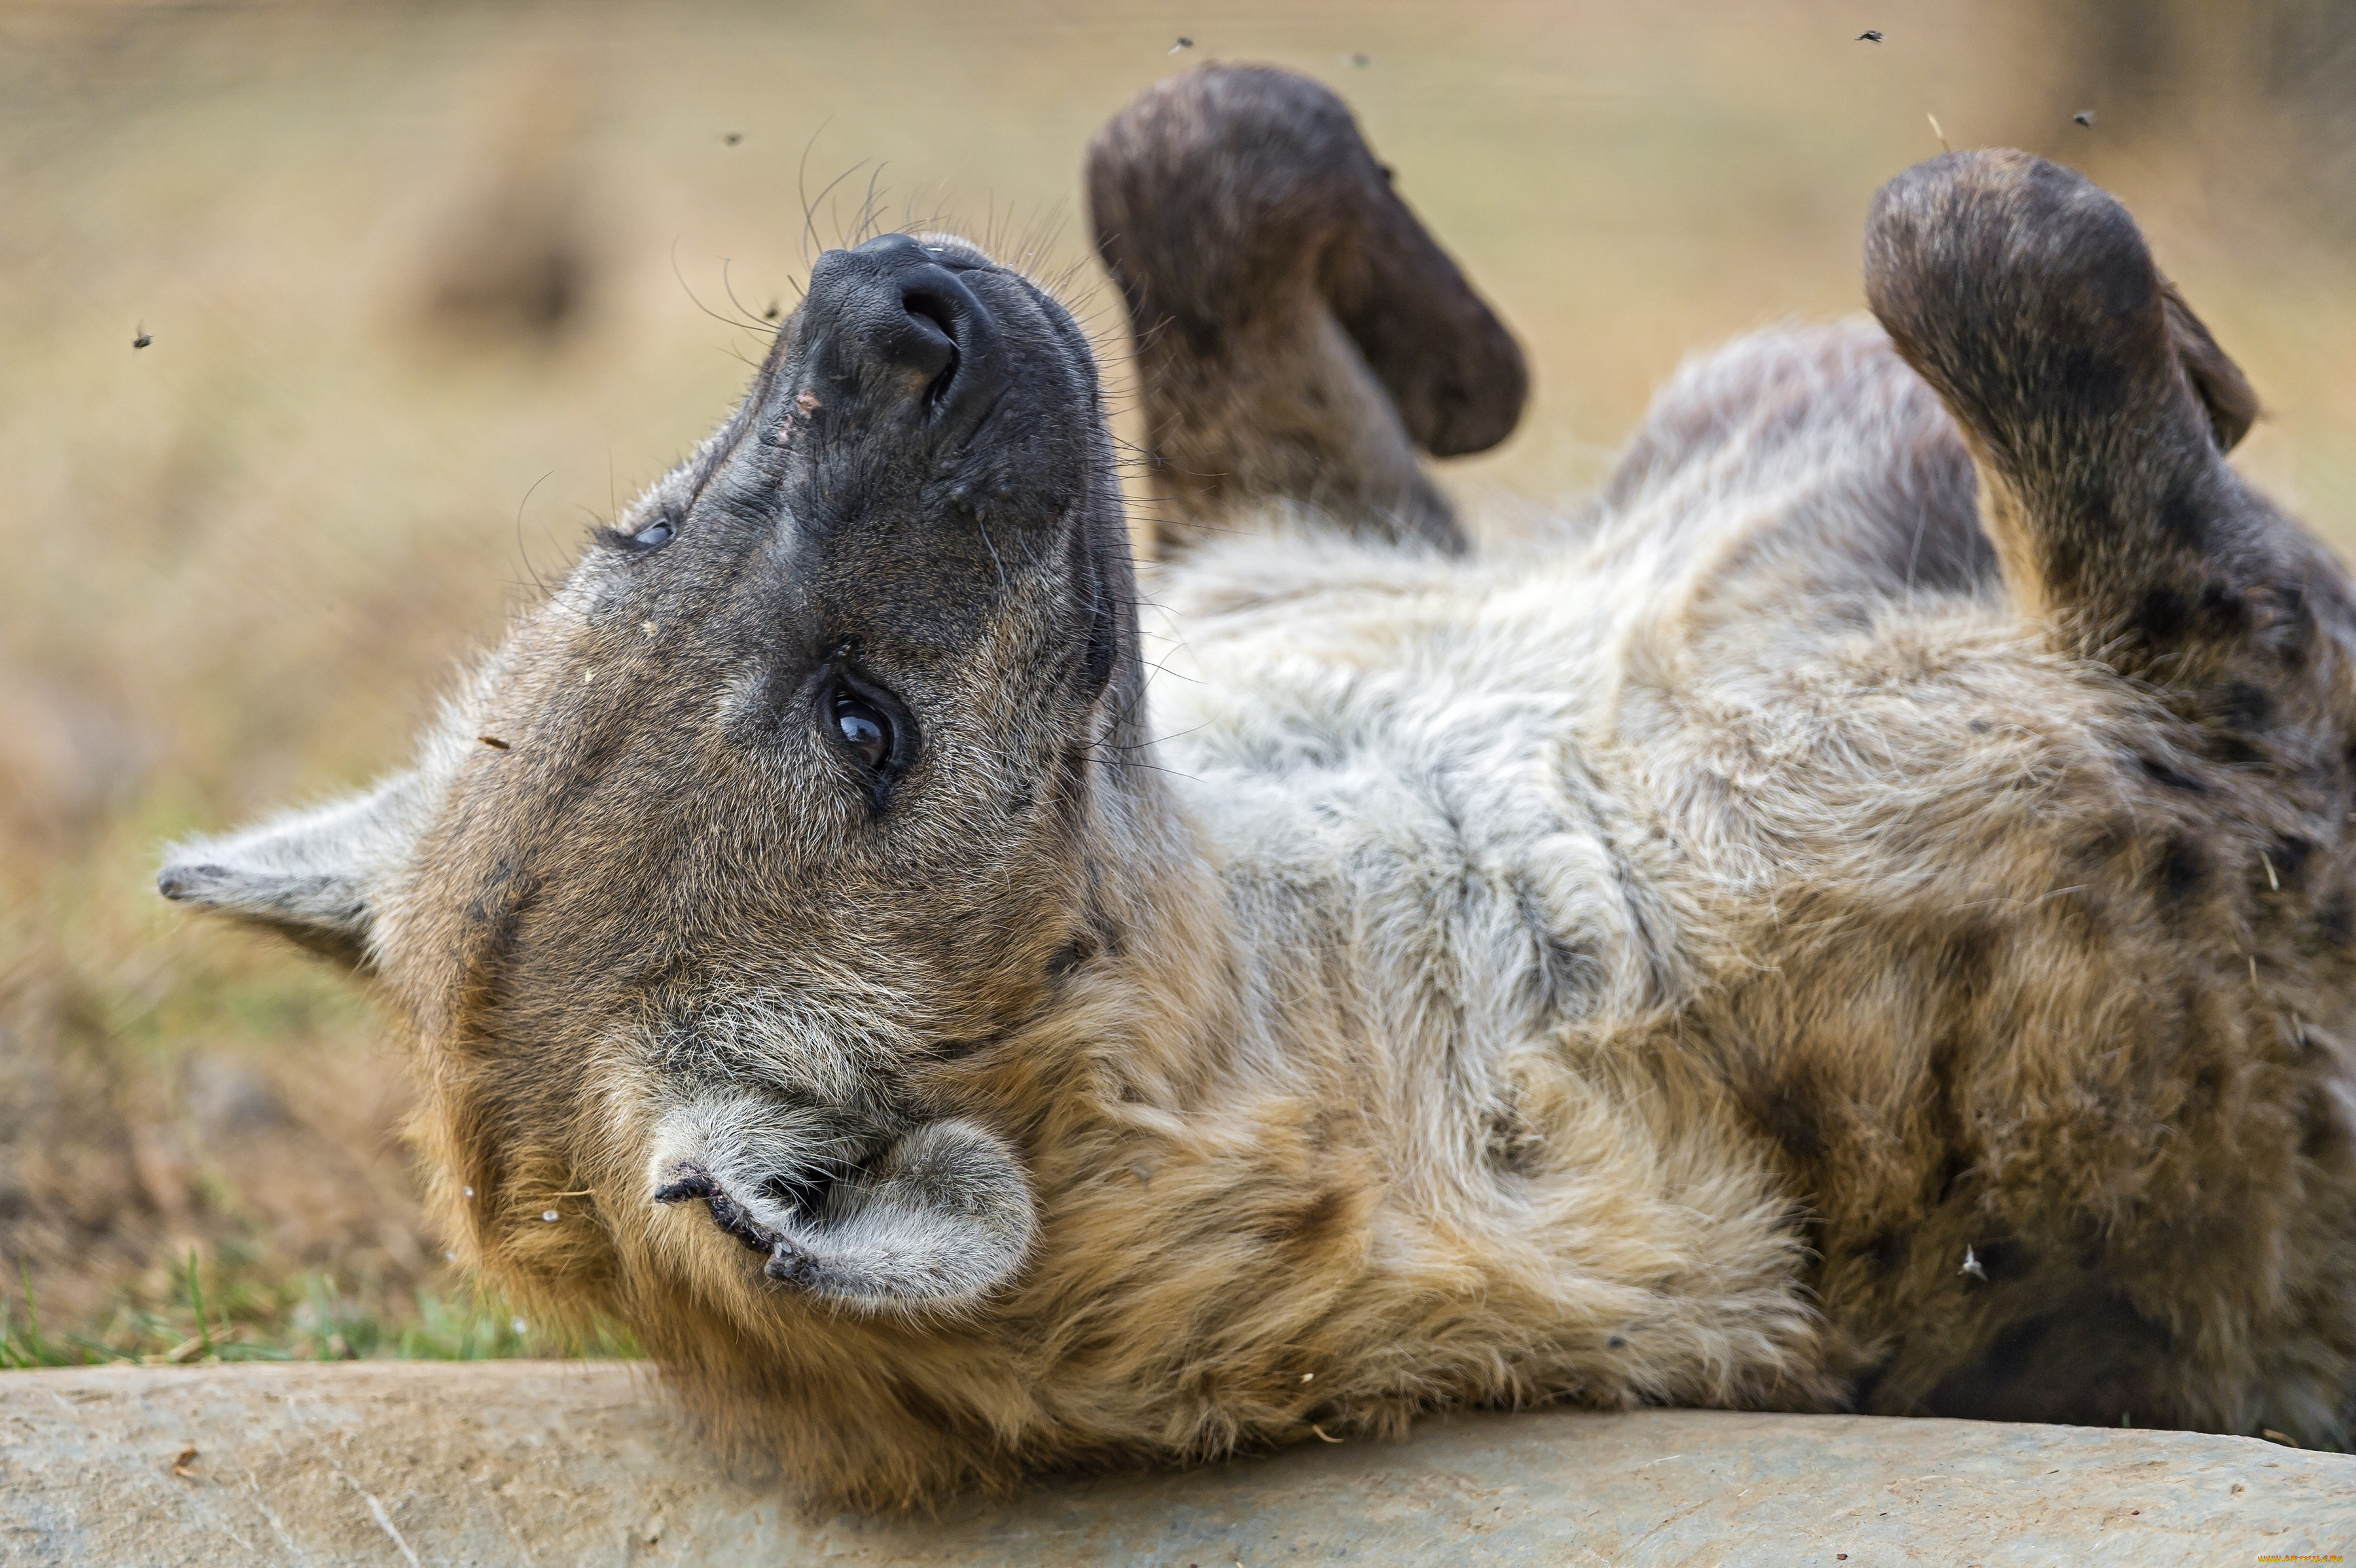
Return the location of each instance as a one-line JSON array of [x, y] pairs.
[[582, 1462]]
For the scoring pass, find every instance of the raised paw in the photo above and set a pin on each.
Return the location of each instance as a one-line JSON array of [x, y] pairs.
[[2098, 410], [1299, 336]]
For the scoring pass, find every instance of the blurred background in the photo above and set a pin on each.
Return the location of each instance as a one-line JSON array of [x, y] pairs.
[[423, 291]]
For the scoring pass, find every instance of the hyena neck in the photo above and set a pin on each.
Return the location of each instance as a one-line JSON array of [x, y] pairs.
[[1251, 967], [1165, 990]]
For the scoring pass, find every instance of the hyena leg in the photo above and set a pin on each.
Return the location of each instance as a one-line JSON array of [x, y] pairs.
[[2219, 1255], [1299, 335], [2099, 411]]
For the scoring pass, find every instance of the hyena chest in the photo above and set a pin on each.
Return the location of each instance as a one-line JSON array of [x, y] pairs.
[[1402, 801]]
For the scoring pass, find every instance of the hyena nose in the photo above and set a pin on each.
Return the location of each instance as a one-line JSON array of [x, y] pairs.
[[894, 325]]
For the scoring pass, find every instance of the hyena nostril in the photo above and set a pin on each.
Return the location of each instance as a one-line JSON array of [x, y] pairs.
[[889, 321], [934, 316]]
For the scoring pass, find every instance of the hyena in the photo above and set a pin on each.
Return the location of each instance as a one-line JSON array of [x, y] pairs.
[[1864, 920]]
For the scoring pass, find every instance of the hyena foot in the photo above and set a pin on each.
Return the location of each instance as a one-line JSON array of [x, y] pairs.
[[1299, 335], [2099, 411]]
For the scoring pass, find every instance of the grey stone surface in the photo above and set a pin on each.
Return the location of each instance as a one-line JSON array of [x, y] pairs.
[[572, 1463]]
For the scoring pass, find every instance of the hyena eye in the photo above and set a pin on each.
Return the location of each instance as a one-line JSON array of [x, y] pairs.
[[864, 729]]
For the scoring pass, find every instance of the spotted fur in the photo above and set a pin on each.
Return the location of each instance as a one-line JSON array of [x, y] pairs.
[[1864, 919]]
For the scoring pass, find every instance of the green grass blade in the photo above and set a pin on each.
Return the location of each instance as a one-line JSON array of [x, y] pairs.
[[196, 1299]]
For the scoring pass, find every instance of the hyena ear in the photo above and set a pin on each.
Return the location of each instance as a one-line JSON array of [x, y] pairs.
[[943, 1216], [313, 876], [2224, 390], [938, 1218]]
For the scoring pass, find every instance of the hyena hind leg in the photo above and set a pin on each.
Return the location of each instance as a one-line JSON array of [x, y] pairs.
[[2099, 411], [1299, 336], [2186, 1233]]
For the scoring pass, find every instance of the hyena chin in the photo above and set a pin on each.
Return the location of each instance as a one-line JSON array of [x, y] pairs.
[[1866, 920]]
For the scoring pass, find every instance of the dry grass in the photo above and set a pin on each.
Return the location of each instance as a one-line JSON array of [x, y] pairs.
[[423, 292]]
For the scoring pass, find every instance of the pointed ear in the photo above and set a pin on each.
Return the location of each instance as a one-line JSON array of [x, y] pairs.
[[313, 876]]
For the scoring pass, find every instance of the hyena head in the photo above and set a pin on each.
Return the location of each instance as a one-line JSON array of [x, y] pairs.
[[780, 811]]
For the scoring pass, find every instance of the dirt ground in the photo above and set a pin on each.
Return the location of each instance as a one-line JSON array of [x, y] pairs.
[[575, 1463], [425, 290]]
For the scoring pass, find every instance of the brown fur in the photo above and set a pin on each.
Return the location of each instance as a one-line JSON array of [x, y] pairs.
[[1867, 924]]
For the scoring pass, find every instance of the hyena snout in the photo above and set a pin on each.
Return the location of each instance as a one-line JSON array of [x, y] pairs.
[[897, 331]]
